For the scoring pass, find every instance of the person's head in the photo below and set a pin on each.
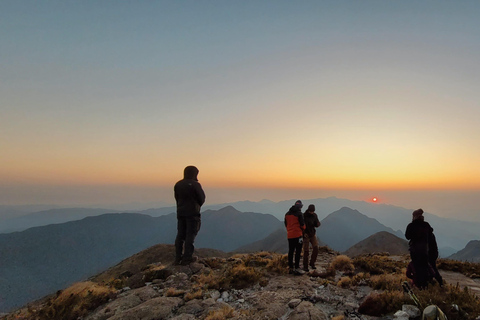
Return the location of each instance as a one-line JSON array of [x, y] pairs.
[[311, 208], [298, 204], [417, 215], [190, 172]]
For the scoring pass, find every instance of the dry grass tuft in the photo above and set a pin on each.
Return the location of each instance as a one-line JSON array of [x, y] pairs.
[[469, 269], [240, 277], [387, 281], [342, 263], [345, 282], [173, 292], [74, 302], [225, 313], [379, 304], [278, 264], [195, 294], [378, 264]]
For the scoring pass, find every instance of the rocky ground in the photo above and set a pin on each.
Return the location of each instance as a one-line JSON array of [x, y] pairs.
[[243, 286]]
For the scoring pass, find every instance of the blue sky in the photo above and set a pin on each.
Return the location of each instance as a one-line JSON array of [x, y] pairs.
[[364, 96]]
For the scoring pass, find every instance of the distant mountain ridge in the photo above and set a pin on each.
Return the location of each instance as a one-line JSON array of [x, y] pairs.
[[470, 253], [379, 242], [452, 235], [44, 259], [345, 227]]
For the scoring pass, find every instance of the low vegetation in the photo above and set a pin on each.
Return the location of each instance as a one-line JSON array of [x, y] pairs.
[[70, 304]]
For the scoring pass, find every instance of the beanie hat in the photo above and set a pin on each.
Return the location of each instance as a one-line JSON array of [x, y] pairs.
[[417, 214], [298, 203], [311, 208]]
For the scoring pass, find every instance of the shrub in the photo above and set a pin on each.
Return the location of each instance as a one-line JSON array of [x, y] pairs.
[[378, 264], [208, 281], [240, 277], [195, 294], [379, 304], [278, 264], [173, 292], [345, 282], [221, 314], [445, 297], [469, 269], [75, 301], [387, 281], [342, 263]]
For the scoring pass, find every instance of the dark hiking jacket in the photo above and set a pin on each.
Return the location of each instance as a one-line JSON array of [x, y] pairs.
[[189, 194], [311, 222], [294, 223], [419, 233]]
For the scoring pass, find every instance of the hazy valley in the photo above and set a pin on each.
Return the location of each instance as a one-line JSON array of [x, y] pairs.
[[41, 260]]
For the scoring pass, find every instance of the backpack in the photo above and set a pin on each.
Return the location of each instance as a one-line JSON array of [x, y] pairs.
[[433, 312]]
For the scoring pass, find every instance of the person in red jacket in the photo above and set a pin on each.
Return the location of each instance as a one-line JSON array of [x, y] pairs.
[[295, 225]]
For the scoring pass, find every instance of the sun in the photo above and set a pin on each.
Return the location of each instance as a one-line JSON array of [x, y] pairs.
[[374, 199]]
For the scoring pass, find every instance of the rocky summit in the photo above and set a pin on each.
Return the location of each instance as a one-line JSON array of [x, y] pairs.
[[217, 285]]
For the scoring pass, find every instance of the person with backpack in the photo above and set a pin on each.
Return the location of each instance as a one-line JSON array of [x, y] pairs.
[[310, 237], [295, 226], [419, 232], [190, 197]]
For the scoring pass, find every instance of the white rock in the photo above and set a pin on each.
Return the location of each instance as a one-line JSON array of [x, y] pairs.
[[401, 315], [412, 310], [225, 296], [215, 294]]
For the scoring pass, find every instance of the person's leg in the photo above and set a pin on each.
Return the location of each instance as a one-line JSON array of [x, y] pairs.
[[436, 274], [313, 259], [298, 252], [306, 249], [420, 264], [291, 249], [193, 226], [180, 239]]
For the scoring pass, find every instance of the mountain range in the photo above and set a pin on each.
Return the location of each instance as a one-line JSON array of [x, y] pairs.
[[44, 259], [452, 235], [41, 260]]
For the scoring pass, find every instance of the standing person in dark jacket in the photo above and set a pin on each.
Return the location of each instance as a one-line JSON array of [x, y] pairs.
[[419, 232], [295, 226], [190, 197], [432, 258], [309, 236]]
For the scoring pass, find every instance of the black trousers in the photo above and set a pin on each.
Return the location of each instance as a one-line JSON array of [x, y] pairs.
[[187, 229], [420, 263], [294, 247]]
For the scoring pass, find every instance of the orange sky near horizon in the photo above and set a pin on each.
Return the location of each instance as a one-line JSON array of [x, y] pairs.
[[261, 95]]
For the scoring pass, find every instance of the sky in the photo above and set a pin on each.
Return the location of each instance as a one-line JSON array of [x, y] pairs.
[[105, 102]]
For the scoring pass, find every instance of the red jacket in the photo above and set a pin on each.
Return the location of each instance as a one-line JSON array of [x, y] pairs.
[[294, 223]]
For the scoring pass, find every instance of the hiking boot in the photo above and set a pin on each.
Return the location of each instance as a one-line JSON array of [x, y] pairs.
[[313, 267], [177, 261], [187, 261], [290, 271], [298, 272], [305, 269]]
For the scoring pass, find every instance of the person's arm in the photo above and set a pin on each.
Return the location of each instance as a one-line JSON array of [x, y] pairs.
[[317, 222], [200, 194], [301, 221], [408, 232]]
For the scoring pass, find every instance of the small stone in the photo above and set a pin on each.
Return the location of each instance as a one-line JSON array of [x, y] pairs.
[[411, 310], [401, 315], [294, 303]]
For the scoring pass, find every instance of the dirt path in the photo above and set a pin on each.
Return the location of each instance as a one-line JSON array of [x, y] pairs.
[[463, 281]]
